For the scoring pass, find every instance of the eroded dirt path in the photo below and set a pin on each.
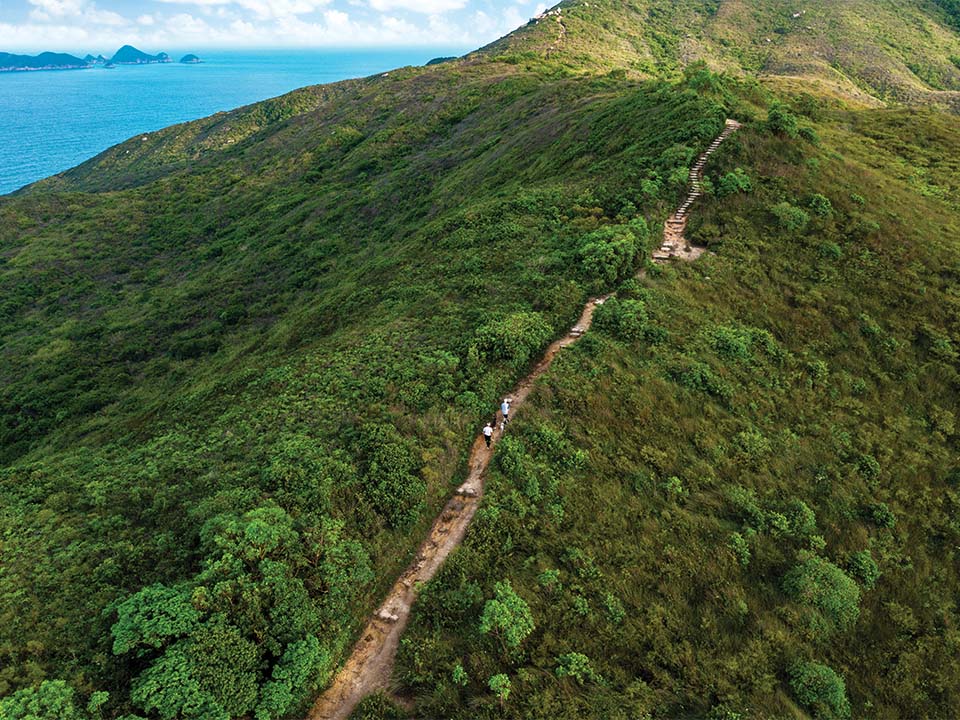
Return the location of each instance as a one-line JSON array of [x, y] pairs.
[[370, 665]]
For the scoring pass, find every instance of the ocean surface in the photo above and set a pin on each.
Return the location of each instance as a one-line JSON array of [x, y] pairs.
[[53, 120]]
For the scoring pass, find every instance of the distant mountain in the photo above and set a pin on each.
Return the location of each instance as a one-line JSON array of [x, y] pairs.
[[98, 60], [129, 55], [190, 59], [43, 61]]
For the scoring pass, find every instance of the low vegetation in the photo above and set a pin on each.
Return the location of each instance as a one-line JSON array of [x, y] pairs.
[[243, 360]]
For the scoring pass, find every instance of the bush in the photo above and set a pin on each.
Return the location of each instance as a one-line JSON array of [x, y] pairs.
[[882, 515], [622, 319], [513, 339], [740, 548], [864, 568], [734, 182], [781, 121], [389, 483], [500, 685], [507, 616], [822, 585], [576, 665], [610, 255], [789, 217], [821, 689], [52, 700], [459, 675], [809, 134], [821, 205]]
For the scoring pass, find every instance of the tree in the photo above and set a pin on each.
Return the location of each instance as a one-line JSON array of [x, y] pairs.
[[507, 616], [51, 700], [500, 684], [151, 618]]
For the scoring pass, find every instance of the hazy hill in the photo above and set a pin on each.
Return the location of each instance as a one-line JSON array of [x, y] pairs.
[[129, 55], [243, 358], [43, 61]]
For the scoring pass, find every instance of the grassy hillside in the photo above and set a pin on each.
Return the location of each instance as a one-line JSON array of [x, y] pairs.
[[757, 478], [872, 50], [242, 361]]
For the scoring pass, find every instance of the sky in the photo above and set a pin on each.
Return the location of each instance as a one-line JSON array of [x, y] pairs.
[[102, 26]]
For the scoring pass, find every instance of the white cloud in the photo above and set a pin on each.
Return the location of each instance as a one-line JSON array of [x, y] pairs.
[[263, 9], [83, 26], [56, 8], [427, 7]]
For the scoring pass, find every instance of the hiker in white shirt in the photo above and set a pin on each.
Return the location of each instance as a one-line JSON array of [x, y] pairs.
[[487, 433]]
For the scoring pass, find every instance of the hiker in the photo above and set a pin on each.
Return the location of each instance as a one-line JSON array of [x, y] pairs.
[[505, 409], [487, 433]]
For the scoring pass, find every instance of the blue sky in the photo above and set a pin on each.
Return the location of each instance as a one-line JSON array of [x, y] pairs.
[[81, 26]]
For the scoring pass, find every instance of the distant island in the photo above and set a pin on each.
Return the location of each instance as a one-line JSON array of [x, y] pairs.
[[43, 61], [127, 55]]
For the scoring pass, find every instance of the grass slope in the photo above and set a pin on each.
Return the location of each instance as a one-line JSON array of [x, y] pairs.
[[664, 505]]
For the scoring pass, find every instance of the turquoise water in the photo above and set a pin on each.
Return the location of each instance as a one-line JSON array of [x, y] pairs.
[[52, 121]]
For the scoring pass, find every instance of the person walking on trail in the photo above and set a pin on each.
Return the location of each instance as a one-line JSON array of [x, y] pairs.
[[505, 409], [488, 433]]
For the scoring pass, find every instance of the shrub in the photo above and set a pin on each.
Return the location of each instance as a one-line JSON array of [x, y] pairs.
[[550, 580], [513, 339], [576, 665], [781, 121], [789, 217], [864, 568], [818, 583], [623, 319], [609, 255], [507, 616], [882, 515], [801, 520], [151, 618], [821, 205], [389, 483], [52, 700], [821, 689], [740, 548], [809, 134], [459, 675], [734, 182]]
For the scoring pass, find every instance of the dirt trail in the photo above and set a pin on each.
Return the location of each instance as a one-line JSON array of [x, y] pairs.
[[370, 665]]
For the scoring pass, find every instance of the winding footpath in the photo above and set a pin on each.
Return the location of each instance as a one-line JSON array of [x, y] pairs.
[[370, 665]]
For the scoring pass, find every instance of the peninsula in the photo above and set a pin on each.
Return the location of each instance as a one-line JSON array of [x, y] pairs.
[[127, 55], [44, 61]]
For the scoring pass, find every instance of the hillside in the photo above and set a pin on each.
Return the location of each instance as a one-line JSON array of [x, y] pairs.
[[243, 361]]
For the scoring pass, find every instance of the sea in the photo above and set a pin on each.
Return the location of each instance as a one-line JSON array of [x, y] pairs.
[[51, 121]]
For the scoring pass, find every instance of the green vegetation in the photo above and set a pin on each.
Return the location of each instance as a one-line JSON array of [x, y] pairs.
[[242, 363], [742, 470], [821, 689]]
